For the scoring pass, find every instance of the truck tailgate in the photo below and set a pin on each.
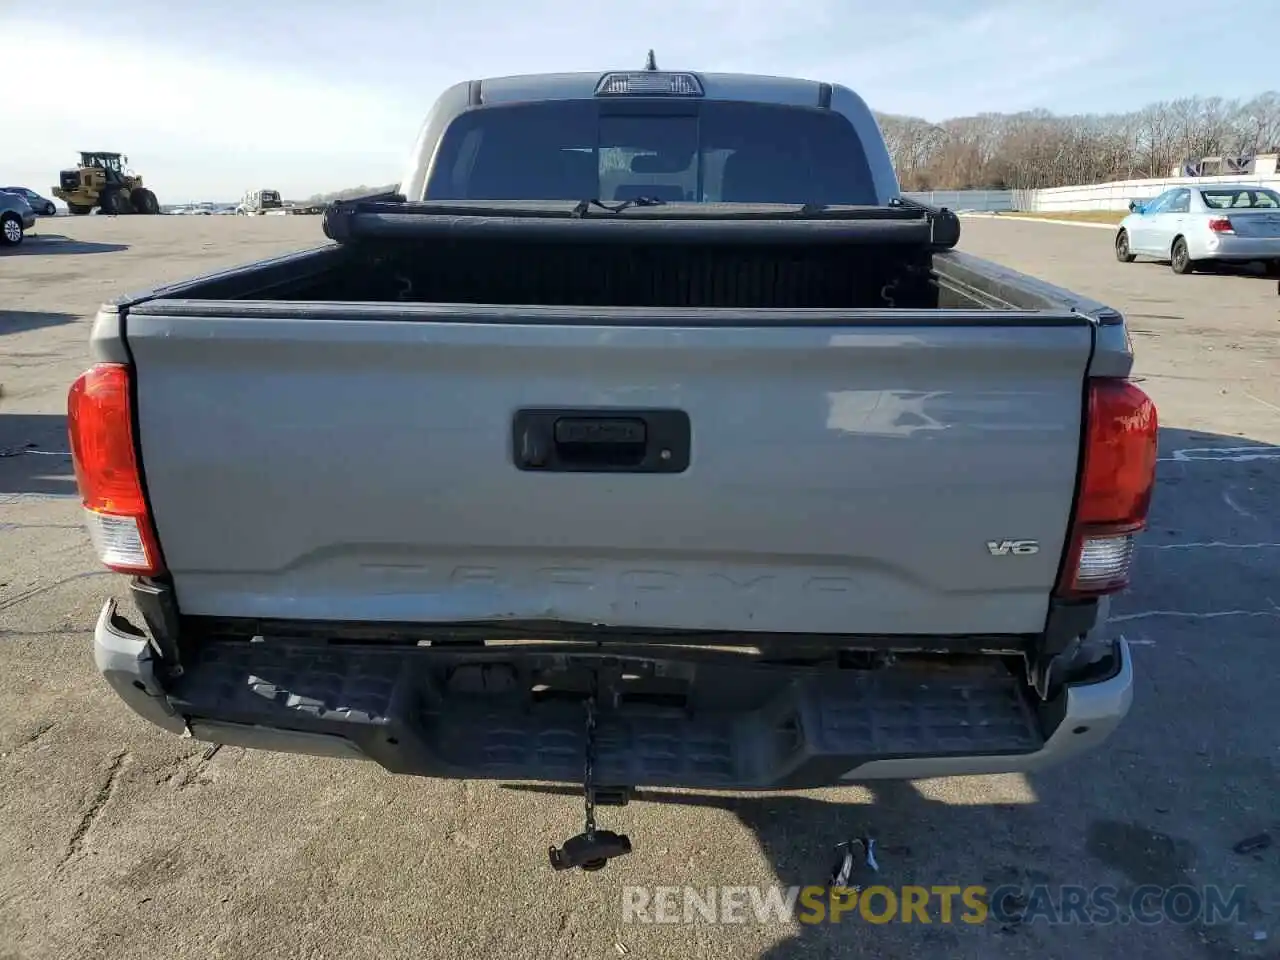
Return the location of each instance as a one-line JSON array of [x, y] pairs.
[[852, 476]]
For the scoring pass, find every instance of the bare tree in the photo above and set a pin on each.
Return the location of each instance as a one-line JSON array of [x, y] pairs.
[[1039, 149]]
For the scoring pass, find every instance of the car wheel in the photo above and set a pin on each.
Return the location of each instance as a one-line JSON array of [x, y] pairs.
[[10, 230], [1122, 247], [50, 210], [1180, 258]]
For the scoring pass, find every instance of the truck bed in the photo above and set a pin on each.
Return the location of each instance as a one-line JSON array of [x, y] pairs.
[[314, 456], [693, 256]]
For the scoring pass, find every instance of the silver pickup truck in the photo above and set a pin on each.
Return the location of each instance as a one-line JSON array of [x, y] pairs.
[[646, 436]]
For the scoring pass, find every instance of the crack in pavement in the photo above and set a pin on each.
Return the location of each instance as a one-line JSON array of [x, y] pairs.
[[46, 587], [194, 773], [64, 631], [96, 805], [30, 738], [35, 735]]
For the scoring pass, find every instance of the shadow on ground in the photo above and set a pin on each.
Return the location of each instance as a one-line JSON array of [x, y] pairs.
[[1248, 270], [1024, 854], [1160, 804], [33, 455], [20, 321], [56, 244]]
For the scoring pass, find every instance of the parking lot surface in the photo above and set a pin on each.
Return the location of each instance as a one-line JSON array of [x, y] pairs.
[[120, 841]]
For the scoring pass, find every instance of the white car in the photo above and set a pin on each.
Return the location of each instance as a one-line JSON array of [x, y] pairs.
[[1191, 226]]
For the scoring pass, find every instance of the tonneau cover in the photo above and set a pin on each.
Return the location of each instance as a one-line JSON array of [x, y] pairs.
[[389, 216]]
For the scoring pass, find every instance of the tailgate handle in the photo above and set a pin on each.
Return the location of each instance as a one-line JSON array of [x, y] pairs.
[[597, 441], [601, 441], [600, 432]]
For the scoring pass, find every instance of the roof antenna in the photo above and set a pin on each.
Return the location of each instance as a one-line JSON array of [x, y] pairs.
[[650, 63]]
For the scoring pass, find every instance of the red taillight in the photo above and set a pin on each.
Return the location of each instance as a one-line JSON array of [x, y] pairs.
[[100, 422], [1116, 479], [1221, 225]]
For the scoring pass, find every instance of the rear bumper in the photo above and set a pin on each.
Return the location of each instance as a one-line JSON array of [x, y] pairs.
[[748, 728], [1238, 249]]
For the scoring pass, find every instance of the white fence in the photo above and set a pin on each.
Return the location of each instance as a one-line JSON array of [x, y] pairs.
[[1092, 196], [1116, 195], [971, 201]]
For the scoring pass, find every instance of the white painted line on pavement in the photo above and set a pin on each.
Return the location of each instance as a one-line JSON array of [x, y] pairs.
[[1063, 223], [1210, 544], [1138, 641], [1226, 498], [1233, 454], [1265, 403], [1192, 615]]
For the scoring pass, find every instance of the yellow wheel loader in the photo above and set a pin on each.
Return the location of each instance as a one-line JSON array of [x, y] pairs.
[[101, 181]]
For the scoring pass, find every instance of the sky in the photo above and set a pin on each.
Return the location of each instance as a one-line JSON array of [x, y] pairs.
[[211, 98]]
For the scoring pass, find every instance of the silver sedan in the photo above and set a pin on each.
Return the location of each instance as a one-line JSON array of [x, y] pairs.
[[1191, 226]]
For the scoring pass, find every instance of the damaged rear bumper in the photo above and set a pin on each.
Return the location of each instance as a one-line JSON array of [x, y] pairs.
[[672, 722]]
